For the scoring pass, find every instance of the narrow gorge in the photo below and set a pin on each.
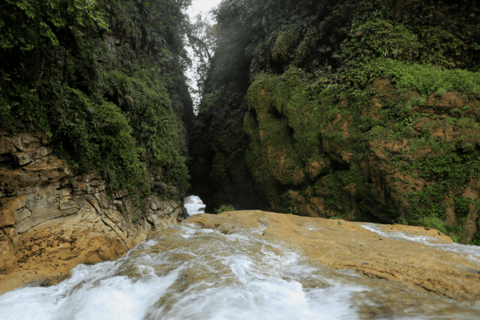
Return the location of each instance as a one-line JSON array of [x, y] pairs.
[[326, 165]]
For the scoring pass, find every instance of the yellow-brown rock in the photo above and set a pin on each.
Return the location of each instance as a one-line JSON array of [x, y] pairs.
[[347, 245], [52, 220]]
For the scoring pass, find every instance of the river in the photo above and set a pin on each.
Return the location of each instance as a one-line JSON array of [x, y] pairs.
[[189, 272]]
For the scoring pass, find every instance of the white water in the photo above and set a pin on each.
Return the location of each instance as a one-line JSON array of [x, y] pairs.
[[194, 205], [191, 273], [235, 276], [473, 252]]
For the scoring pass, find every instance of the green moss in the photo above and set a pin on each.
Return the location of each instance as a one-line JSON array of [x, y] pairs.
[[423, 78], [461, 205], [309, 119], [426, 204], [394, 152], [104, 105], [458, 232], [156, 127], [454, 167]]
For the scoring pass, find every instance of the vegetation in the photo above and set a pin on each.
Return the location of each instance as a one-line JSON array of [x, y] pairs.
[[104, 80], [224, 208], [362, 110]]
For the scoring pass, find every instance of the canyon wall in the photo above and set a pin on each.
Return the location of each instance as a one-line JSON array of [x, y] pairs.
[[388, 154], [51, 220], [363, 110]]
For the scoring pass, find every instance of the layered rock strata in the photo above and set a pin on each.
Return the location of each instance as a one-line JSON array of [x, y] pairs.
[[52, 220]]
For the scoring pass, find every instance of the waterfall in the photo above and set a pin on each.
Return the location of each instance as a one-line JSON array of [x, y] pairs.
[[194, 205]]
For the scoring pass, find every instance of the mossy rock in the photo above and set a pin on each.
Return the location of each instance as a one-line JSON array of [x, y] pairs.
[[380, 152]]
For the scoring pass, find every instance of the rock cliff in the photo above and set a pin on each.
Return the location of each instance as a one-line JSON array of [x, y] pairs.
[[52, 220], [363, 110], [389, 153]]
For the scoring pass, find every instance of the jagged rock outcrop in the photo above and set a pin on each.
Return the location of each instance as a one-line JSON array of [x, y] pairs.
[[52, 220]]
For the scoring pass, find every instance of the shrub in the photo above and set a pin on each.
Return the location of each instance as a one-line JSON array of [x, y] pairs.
[[224, 208]]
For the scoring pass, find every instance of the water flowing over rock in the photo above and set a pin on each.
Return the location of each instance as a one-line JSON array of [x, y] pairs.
[[194, 205], [51, 220], [263, 265]]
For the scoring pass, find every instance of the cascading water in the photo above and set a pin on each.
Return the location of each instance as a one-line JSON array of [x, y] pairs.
[[194, 205], [187, 272], [195, 274]]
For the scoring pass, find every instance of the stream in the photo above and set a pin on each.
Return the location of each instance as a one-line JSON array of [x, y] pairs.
[[193, 273]]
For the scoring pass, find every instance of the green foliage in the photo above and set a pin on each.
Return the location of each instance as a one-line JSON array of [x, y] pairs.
[[40, 21], [427, 79], [155, 125], [292, 210], [134, 219], [224, 208], [401, 220], [417, 76], [476, 236], [99, 133], [440, 92], [453, 167], [341, 86], [106, 106], [383, 38], [417, 31], [461, 205], [433, 222], [452, 170]]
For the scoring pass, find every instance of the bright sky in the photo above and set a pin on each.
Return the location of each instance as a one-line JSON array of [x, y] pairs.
[[201, 6], [198, 6]]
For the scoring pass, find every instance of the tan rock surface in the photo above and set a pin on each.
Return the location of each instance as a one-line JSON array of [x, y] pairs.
[[52, 220], [346, 245]]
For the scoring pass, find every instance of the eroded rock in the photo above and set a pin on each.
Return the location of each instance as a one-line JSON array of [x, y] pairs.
[[52, 220]]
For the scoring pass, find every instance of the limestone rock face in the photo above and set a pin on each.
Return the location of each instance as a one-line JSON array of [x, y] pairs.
[[52, 220]]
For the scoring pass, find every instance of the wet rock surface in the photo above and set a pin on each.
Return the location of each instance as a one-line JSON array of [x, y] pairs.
[[341, 244], [262, 265]]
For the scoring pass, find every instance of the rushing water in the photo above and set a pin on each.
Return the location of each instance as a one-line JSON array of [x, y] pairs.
[[194, 205], [187, 272], [473, 252]]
